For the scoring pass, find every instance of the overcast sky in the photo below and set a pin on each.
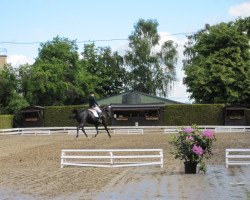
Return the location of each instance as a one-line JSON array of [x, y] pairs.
[[27, 23]]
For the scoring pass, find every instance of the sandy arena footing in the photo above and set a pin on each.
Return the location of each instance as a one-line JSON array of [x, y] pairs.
[[30, 169]]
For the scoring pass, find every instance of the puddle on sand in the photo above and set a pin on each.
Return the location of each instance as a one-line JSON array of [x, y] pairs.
[[7, 193], [232, 183], [219, 182]]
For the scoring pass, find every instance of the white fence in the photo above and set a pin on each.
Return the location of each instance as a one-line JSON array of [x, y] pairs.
[[171, 130], [128, 131], [217, 129], [35, 132], [88, 131], [231, 129], [237, 157], [119, 129], [111, 157]]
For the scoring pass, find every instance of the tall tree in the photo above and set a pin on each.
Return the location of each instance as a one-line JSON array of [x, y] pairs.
[[56, 76], [150, 70], [106, 68], [217, 65], [10, 99]]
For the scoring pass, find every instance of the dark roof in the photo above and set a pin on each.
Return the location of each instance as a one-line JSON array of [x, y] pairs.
[[137, 106], [32, 108], [146, 98]]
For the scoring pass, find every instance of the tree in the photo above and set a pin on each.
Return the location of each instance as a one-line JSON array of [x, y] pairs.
[[10, 100], [56, 77], [113, 73], [150, 70], [106, 68], [217, 65]]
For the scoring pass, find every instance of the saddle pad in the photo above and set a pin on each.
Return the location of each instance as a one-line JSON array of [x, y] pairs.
[[94, 112]]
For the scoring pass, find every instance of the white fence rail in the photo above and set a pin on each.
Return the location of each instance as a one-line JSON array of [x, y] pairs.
[[128, 131], [88, 131], [171, 130], [237, 157], [35, 132], [217, 129], [111, 157], [116, 129], [231, 129]]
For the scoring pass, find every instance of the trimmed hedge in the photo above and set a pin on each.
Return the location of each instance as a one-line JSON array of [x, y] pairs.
[[60, 116], [174, 115], [6, 121], [188, 114]]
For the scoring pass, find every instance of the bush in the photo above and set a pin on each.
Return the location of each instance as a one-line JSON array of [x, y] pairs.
[[6, 121], [199, 114], [60, 116]]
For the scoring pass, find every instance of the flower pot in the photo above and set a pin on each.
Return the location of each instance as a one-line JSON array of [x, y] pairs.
[[190, 167]]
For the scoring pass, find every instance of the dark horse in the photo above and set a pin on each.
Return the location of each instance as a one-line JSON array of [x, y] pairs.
[[84, 117]]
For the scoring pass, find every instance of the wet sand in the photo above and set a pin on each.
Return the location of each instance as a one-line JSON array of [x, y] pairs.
[[30, 169]]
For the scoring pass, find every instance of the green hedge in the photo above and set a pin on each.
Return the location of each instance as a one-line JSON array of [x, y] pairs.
[[174, 115], [188, 114], [60, 116], [6, 121]]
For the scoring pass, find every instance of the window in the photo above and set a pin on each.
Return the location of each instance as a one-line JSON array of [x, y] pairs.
[[152, 114]]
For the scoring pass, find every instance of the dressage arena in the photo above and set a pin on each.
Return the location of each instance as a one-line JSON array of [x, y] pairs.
[[30, 169]]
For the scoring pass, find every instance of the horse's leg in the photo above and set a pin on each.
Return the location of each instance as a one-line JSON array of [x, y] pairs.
[[77, 131], [96, 128], [105, 126], [83, 130]]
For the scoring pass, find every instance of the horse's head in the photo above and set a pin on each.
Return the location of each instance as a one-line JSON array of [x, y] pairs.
[[106, 110]]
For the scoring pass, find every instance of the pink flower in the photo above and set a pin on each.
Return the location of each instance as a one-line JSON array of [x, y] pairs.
[[208, 134], [198, 150], [188, 130], [189, 138]]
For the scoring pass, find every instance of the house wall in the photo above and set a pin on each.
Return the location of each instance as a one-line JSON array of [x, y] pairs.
[[137, 117], [2, 60]]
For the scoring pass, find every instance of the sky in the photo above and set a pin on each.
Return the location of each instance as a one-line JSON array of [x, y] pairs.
[[25, 24]]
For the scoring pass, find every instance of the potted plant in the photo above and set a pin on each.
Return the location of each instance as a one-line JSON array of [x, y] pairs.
[[193, 145]]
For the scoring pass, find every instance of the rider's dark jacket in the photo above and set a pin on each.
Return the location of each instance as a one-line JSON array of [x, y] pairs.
[[92, 102]]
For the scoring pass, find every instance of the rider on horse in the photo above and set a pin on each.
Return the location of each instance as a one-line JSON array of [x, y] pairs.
[[94, 105]]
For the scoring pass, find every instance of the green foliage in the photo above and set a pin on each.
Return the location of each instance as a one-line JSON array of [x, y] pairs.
[[6, 121], [105, 68], [217, 65], [60, 116], [56, 78], [200, 114], [10, 100], [59, 77], [150, 71]]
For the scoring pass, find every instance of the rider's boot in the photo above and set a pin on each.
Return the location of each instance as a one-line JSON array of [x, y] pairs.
[[100, 117]]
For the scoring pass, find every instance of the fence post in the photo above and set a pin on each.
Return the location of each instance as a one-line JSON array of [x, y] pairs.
[[161, 154], [227, 153], [62, 159], [111, 158]]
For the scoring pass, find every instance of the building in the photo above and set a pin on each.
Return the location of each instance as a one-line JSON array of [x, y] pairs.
[[3, 57], [32, 116], [136, 109]]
